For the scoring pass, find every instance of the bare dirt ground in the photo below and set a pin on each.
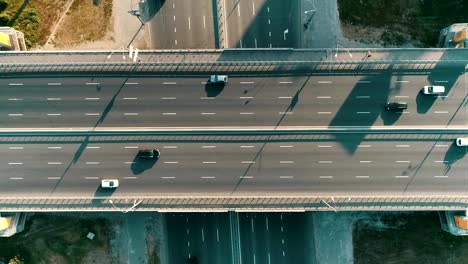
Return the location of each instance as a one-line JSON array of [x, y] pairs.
[[107, 25]]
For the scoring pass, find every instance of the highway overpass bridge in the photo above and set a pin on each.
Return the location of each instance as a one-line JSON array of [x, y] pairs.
[[292, 130]]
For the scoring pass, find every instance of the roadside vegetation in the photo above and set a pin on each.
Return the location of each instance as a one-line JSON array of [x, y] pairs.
[[34, 18], [87, 20], [406, 238], [59, 240], [396, 23]]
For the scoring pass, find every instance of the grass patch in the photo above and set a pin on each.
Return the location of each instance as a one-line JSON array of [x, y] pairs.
[[86, 21], [57, 239], [421, 20], [407, 238], [34, 18]]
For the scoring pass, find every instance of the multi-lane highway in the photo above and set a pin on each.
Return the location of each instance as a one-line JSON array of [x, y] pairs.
[[304, 100], [314, 164]]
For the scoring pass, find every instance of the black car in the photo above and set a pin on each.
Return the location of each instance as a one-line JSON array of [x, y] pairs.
[[396, 106], [149, 153]]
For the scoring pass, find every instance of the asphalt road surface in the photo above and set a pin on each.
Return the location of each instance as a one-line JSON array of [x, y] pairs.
[[275, 238], [204, 236], [244, 101], [262, 23], [226, 165], [181, 24]]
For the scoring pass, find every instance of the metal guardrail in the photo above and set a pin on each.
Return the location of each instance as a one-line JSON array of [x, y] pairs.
[[236, 203]]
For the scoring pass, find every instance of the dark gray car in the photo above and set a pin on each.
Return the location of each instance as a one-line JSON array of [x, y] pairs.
[[396, 106], [149, 153]]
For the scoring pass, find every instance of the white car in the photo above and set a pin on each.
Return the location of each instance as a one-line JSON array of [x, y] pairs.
[[433, 90], [218, 79], [462, 142], [110, 183]]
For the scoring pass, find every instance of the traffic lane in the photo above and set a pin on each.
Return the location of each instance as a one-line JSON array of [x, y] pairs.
[[286, 99], [177, 239], [135, 111], [183, 25], [203, 235], [265, 237], [255, 24], [221, 167]]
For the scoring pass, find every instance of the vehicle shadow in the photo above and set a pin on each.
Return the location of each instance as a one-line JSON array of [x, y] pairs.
[[389, 117], [424, 102], [453, 154], [101, 194], [140, 165], [213, 89]]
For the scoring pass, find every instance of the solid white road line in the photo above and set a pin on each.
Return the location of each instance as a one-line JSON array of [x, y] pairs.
[[286, 177], [286, 146], [246, 82], [286, 162], [16, 178], [54, 99], [362, 177], [93, 147], [365, 161], [246, 97], [130, 114], [54, 163], [92, 114], [54, 114], [324, 82], [15, 99], [402, 161], [53, 178], [170, 147], [209, 146], [323, 97], [130, 98], [91, 178], [323, 113], [168, 98], [54, 147], [246, 113], [285, 82], [169, 113], [209, 162], [168, 177], [285, 113], [131, 147], [131, 83], [246, 177], [441, 176], [169, 83], [52, 84], [207, 98], [204, 113], [362, 112], [208, 177], [171, 162], [93, 162], [325, 161], [247, 146], [15, 163], [402, 146], [401, 176], [440, 112], [326, 177], [92, 98], [92, 83], [364, 146], [130, 177], [248, 162], [15, 114], [324, 146]]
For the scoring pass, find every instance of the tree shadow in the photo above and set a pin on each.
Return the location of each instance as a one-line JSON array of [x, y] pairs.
[[139, 165], [453, 154], [213, 89], [12, 21], [424, 102], [149, 8]]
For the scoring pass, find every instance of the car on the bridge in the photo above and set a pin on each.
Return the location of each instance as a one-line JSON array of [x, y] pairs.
[[149, 153], [433, 90], [218, 79], [396, 106], [462, 142], [109, 183]]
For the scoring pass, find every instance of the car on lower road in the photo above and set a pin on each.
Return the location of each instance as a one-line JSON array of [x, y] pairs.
[[396, 106], [109, 183], [149, 153], [218, 79], [462, 142], [433, 90]]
